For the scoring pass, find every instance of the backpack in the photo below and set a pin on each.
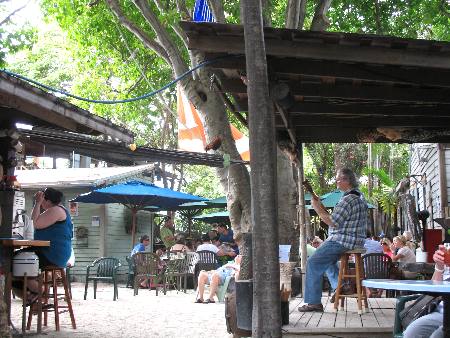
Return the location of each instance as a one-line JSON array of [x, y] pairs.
[[422, 306]]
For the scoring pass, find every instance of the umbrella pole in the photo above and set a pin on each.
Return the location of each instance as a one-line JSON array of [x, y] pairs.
[[133, 225], [189, 226]]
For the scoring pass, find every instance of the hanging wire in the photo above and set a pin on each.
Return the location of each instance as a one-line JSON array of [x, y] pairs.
[[152, 93]]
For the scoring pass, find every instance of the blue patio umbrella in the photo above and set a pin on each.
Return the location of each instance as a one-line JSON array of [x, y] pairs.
[[137, 195]]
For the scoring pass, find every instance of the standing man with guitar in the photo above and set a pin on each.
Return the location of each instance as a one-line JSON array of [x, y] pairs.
[[346, 231]]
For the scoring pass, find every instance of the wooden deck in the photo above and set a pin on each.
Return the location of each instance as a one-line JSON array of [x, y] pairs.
[[377, 322]]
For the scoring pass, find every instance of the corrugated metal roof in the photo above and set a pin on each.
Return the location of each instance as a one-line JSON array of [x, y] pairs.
[[77, 177]]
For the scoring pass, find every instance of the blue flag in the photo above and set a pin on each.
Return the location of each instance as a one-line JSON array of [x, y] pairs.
[[202, 12]]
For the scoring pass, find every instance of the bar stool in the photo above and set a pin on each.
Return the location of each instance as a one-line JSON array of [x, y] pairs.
[[52, 276], [358, 277]]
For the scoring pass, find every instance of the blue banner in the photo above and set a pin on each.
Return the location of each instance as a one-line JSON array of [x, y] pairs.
[[202, 12]]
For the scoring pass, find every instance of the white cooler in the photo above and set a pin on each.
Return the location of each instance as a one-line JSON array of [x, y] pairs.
[[25, 262]]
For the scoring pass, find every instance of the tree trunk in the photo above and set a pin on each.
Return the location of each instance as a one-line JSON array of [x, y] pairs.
[[287, 199], [320, 21], [235, 178], [266, 316], [295, 14]]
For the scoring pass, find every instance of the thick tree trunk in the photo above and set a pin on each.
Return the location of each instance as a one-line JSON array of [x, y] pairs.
[[234, 179], [266, 316]]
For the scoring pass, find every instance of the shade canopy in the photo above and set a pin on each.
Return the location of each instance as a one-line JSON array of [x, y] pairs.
[[329, 200], [215, 217], [137, 194], [220, 202]]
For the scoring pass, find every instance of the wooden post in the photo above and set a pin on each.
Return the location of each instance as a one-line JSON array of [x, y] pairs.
[[302, 217], [266, 317], [102, 232], [7, 166]]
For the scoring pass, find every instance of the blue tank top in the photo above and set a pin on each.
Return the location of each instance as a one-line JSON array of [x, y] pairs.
[[60, 236]]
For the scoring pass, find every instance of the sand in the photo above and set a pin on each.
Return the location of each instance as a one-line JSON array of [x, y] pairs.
[[145, 315]]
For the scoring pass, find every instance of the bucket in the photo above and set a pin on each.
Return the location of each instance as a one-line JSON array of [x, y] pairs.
[[25, 263]]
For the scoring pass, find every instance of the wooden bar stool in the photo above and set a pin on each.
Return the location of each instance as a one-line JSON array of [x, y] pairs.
[[52, 276], [358, 277]]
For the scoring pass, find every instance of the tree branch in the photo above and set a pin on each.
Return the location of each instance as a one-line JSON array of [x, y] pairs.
[[444, 8], [178, 64], [216, 7], [295, 14], [377, 18], [266, 11], [182, 9], [320, 21], [141, 35], [10, 15]]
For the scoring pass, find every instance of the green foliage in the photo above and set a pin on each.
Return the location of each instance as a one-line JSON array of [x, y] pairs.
[[383, 193], [202, 181]]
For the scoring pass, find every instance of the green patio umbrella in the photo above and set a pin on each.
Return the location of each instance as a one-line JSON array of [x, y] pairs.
[[329, 200], [190, 210], [220, 202], [215, 217]]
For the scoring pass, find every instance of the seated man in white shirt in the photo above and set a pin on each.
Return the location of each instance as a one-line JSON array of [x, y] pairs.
[[208, 246]]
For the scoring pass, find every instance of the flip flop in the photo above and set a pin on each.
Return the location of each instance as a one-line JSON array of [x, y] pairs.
[[209, 301], [199, 301]]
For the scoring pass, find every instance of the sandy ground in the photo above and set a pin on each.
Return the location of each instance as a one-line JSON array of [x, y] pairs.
[[145, 315]]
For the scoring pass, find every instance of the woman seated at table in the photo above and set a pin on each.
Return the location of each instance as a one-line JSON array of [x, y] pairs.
[[180, 246], [431, 325], [52, 224], [386, 245], [404, 253]]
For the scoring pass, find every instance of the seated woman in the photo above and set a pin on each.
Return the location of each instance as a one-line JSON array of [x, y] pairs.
[[404, 253], [55, 225], [386, 244], [216, 278], [180, 246]]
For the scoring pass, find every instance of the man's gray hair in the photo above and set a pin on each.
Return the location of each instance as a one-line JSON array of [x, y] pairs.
[[350, 176]]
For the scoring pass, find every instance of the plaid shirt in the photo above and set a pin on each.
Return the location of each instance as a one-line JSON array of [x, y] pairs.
[[350, 219]]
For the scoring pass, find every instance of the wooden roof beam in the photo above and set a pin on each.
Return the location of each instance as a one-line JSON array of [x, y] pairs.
[[368, 72], [304, 120], [366, 110], [346, 91], [330, 52]]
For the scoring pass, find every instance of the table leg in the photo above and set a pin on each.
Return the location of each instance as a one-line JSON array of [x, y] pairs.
[[446, 325], [24, 301]]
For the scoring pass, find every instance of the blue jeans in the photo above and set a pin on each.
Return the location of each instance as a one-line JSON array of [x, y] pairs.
[[324, 260]]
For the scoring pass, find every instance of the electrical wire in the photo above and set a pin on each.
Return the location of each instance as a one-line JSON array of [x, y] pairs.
[[145, 96]]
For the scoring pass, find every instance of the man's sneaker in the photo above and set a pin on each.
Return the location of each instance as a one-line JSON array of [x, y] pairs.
[[311, 308]]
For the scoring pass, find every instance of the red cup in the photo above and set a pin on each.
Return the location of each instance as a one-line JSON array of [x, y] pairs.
[[447, 254]]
